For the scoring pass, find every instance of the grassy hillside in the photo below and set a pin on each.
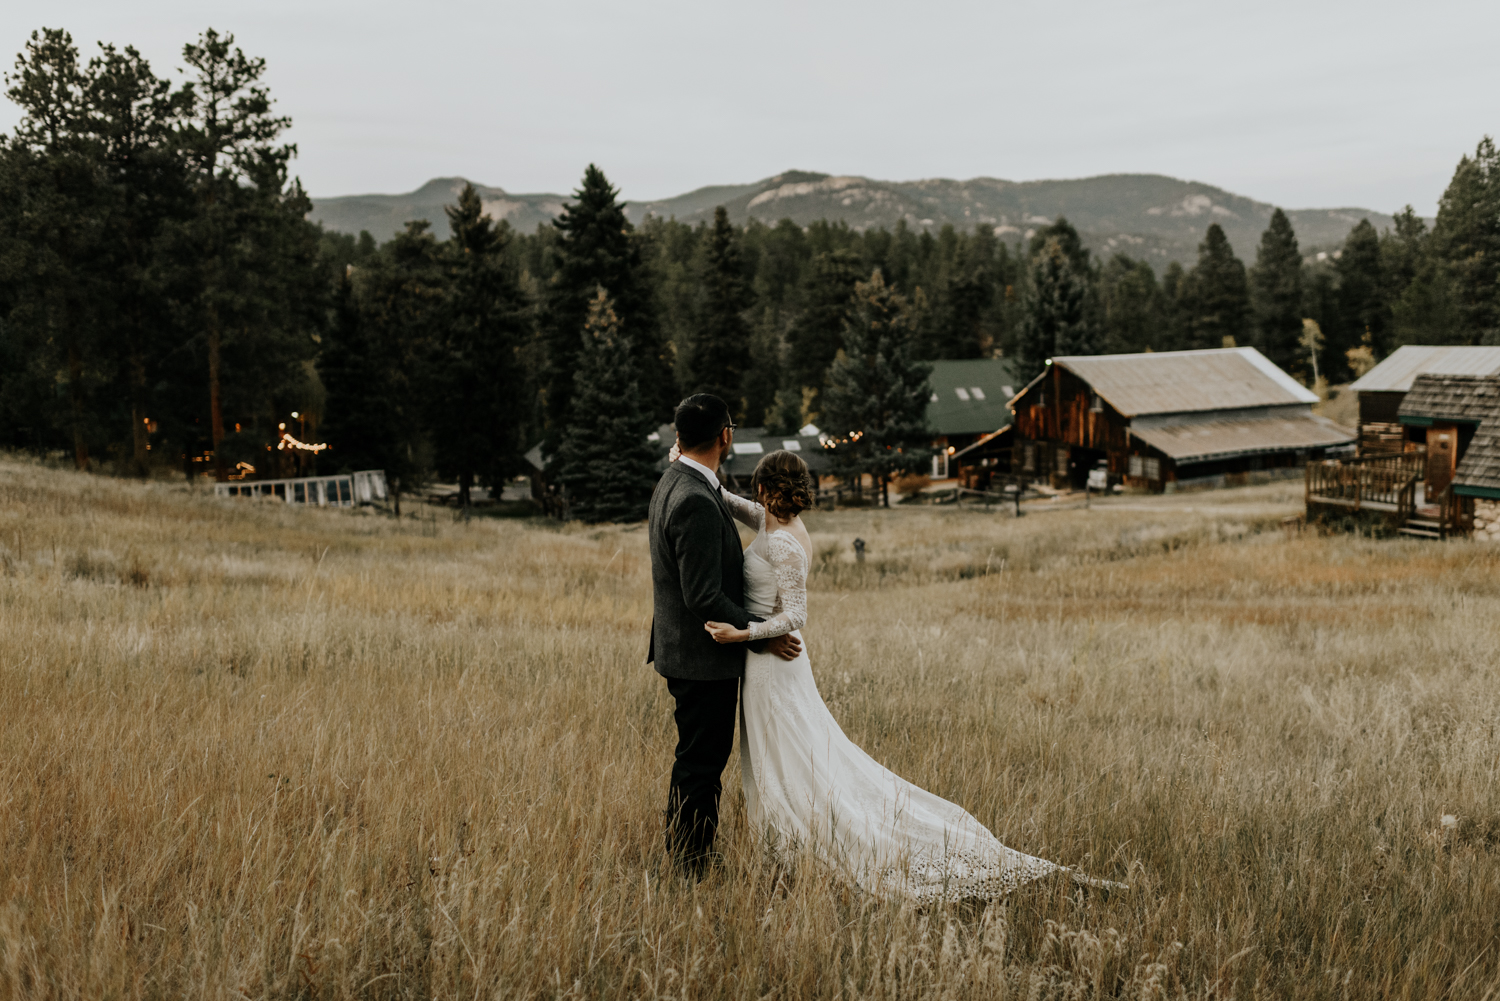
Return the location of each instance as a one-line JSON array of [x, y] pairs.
[[248, 751], [1157, 218]]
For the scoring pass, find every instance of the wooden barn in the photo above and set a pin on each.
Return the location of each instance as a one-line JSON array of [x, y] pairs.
[[1382, 389], [1158, 419]]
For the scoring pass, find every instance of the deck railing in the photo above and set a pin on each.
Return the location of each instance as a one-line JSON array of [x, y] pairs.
[[1385, 482], [1455, 513]]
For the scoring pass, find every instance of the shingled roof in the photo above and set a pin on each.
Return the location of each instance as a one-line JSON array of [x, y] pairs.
[[1478, 475], [1468, 399]]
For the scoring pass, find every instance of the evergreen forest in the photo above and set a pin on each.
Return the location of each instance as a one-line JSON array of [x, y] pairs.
[[165, 304]]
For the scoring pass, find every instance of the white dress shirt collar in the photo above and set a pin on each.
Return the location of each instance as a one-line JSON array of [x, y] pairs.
[[708, 474]]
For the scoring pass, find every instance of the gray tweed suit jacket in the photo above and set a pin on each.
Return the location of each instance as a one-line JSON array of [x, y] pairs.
[[697, 575]]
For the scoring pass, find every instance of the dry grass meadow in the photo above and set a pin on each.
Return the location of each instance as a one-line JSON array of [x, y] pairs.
[[254, 752]]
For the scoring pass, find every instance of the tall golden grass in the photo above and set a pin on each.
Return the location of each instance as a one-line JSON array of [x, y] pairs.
[[255, 752]]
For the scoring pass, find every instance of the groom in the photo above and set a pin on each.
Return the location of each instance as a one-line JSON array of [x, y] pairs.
[[697, 575]]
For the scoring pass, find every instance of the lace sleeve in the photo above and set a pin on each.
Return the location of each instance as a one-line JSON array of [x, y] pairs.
[[790, 563], [745, 511]]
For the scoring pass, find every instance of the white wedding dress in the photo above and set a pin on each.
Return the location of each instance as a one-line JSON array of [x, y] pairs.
[[809, 787]]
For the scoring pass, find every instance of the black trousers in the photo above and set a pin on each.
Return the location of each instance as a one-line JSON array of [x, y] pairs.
[[705, 735]]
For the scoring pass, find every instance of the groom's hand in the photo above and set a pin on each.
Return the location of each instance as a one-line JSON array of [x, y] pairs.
[[787, 646]]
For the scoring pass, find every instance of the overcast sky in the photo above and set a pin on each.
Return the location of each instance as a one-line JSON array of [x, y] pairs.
[[1304, 104]]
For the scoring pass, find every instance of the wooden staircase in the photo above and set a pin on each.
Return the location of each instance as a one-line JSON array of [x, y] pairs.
[[1423, 527], [1442, 516]]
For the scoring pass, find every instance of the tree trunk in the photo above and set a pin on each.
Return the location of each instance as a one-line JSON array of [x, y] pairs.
[[75, 398], [396, 495], [215, 410]]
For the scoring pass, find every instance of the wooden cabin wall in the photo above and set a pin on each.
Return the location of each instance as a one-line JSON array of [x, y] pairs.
[[1066, 418]]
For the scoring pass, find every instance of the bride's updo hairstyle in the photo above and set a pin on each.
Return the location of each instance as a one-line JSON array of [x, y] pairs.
[[787, 483]]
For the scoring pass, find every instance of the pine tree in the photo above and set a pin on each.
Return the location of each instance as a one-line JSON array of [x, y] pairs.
[[368, 414], [1276, 294], [53, 244], [597, 249], [1414, 285], [1216, 295], [817, 333], [875, 403], [1134, 315], [1174, 286], [763, 379], [1362, 313], [720, 352], [473, 372], [1466, 241], [1056, 320], [248, 246], [389, 313], [605, 463]]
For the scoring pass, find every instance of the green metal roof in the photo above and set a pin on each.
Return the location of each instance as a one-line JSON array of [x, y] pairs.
[[970, 396]]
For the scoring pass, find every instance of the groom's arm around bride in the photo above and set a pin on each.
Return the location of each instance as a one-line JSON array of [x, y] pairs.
[[697, 576]]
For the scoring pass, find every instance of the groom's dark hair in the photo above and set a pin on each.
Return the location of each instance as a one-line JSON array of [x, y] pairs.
[[699, 419]]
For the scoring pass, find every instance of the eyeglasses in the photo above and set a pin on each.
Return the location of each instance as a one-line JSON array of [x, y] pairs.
[[730, 426]]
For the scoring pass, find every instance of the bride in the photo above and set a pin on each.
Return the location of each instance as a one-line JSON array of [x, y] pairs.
[[807, 784]]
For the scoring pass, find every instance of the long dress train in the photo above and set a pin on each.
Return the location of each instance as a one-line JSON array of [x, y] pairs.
[[808, 786]]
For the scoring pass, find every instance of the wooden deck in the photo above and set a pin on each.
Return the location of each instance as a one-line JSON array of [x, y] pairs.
[[1387, 484]]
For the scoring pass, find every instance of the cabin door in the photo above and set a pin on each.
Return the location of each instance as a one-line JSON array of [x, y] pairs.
[[1442, 459]]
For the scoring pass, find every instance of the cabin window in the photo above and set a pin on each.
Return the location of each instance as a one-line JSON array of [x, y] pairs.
[[1153, 469], [976, 392], [1137, 467], [940, 466], [1028, 458], [963, 394], [1062, 461]]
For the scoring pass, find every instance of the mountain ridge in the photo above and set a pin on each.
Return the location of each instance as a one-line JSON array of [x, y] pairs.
[[1149, 216]]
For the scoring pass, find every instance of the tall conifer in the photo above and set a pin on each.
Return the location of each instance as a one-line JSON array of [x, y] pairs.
[[876, 399], [1276, 294], [605, 463], [1133, 308], [598, 249], [1056, 320], [721, 339], [818, 332], [1466, 240], [1217, 295], [1363, 313], [474, 379]]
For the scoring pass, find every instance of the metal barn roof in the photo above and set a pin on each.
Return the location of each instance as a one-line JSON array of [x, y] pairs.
[[1397, 372], [970, 396], [1292, 428], [1167, 382]]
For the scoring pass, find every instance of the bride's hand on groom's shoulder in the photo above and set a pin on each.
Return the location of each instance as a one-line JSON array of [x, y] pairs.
[[723, 632], [674, 453]]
